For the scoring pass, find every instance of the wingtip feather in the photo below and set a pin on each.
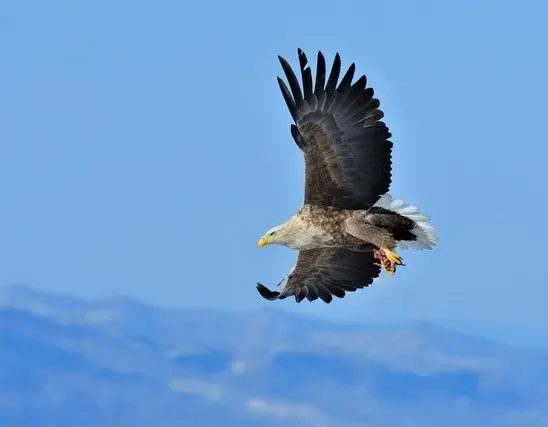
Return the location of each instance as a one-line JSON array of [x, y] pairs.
[[267, 293]]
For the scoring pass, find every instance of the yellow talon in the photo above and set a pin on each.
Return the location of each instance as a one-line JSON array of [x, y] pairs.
[[388, 260], [393, 257]]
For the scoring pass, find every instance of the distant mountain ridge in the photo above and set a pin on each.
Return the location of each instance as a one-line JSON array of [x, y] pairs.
[[116, 362]]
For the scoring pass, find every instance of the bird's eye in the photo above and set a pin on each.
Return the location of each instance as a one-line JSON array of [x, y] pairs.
[[271, 233]]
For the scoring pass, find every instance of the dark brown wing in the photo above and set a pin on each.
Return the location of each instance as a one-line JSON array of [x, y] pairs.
[[324, 273], [346, 148]]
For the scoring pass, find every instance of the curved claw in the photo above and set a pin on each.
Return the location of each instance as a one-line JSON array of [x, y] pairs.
[[388, 260]]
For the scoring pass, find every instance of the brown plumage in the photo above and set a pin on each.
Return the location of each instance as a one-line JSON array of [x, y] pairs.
[[348, 219]]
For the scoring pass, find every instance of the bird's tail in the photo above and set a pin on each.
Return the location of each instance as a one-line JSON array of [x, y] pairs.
[[424, 232]]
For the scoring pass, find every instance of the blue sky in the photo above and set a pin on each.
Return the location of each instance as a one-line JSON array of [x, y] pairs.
[[145, 148]]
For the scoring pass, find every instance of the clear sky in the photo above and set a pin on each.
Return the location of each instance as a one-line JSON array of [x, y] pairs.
[[145, 147]]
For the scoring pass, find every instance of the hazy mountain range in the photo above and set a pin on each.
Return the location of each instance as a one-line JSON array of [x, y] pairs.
[[117, 362]]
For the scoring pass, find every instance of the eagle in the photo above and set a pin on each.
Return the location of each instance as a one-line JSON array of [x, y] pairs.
[[349, 226]]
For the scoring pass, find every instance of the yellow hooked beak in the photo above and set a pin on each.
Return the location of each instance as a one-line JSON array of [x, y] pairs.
[[265, 240]]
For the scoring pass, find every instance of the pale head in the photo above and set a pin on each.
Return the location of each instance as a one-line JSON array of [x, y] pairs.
[[295, 234], [273, 236], [284, 234]]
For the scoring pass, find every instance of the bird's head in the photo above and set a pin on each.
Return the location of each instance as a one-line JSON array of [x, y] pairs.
[[274, 235], [289, 234]]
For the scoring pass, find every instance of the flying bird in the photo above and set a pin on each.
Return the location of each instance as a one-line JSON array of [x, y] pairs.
[[349, 226]]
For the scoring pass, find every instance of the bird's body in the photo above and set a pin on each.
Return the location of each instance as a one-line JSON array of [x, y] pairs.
[[314, 227], [349, 225]]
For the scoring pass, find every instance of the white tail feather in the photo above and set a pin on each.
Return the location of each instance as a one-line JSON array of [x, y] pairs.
[[425, 232]]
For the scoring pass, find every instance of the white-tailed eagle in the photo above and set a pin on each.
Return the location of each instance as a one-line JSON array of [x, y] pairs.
[[349, 225]]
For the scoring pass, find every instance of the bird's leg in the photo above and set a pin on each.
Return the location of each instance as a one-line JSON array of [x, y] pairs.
[[388, 259], [381, 237]]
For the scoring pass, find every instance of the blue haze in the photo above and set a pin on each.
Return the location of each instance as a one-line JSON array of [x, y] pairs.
[[116, 361]]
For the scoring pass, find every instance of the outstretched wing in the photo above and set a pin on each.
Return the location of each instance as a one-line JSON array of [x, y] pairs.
[[326, 272], [346, 148]]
